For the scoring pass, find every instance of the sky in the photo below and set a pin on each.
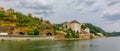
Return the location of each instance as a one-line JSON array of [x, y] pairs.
[[102, 13]]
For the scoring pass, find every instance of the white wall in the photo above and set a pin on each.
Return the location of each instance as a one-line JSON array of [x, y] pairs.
[[75, 27], [3, 33], [87, 30]]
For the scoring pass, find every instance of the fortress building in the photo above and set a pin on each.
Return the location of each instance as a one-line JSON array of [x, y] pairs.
[[1, 9], [73, 25]]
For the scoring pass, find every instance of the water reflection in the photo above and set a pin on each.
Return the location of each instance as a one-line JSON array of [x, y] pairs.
[[106, 44]]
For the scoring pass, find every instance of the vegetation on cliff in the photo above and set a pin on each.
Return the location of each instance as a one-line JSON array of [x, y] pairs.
[[69, 33], [94, 29], [114, 34], [31, 25]]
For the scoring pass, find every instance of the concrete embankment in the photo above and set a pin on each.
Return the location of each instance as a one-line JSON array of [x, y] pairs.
[[72, 39], [27, 38], [39, 38]]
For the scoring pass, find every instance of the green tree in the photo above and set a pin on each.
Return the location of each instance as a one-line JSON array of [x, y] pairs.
[[36, 31], [93, 29], [31, 32]]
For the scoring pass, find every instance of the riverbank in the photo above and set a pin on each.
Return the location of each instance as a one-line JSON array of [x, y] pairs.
[[38, 38], [27, 38], [43, 38]]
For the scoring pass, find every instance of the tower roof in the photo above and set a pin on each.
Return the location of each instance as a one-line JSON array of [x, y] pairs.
[[74, 21]]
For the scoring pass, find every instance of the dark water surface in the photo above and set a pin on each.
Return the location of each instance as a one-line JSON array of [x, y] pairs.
[[101, 44]]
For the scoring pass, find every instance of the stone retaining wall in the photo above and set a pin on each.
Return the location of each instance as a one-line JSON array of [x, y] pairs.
[[27, 38]]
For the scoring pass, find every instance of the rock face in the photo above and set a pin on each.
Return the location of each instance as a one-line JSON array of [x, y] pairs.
[[60, 35], [47, 32], [17, 23], [87, 30], [7, 29], [20, 30]]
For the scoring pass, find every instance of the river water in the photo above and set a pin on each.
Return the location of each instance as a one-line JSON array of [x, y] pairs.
[[100, 44]]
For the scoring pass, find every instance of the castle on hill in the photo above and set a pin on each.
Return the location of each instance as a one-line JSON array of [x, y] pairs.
[[75, 26], [44, 27]]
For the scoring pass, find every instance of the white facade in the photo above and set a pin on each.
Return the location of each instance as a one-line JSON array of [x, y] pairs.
[[100, 34], [3, 33], [75, 27], [87, 30]]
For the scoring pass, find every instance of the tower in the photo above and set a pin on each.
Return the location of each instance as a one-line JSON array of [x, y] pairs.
[[75, 26]]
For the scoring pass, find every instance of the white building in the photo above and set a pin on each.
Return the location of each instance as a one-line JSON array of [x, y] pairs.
[[100, 34], [75, 26], [3, 33], [87, 30]]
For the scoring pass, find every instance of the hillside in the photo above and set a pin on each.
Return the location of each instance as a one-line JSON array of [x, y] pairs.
[[15, 22], [93, 29], [114, 34], [23, 24]]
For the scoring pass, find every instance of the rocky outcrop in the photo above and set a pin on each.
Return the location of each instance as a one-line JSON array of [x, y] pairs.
[[7, 29]]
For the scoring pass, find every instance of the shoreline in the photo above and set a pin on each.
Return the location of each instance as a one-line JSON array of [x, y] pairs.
[[41, 38], [17, 38], [26, 38]]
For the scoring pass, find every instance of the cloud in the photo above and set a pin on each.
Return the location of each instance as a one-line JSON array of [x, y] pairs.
[[8, 0], [35, 5], [112, 17], [90, 3], [41, 7], [112, 27], [44, 13], [113, 3]]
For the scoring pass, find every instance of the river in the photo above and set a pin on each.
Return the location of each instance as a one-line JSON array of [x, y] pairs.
[[100, 44]]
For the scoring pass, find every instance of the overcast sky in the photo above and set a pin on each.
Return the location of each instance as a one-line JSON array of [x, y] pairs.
[[102, 13]]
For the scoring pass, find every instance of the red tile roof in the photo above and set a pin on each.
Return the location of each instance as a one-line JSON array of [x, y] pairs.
[[74, 21]]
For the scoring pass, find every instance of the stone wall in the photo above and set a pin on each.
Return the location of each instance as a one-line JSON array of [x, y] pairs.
[[46, 31], [7, 29]]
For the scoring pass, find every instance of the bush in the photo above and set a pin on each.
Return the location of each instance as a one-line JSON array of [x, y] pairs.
[[36, 32], [31, 32], [93, 29]]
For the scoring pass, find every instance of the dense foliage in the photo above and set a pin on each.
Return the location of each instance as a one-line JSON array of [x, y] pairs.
[[93, 29], [19, 20], [35, 25], [71, 34], [114, 34]]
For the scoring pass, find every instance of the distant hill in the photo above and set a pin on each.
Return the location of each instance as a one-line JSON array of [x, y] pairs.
[[94, 29], [114, 34]]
